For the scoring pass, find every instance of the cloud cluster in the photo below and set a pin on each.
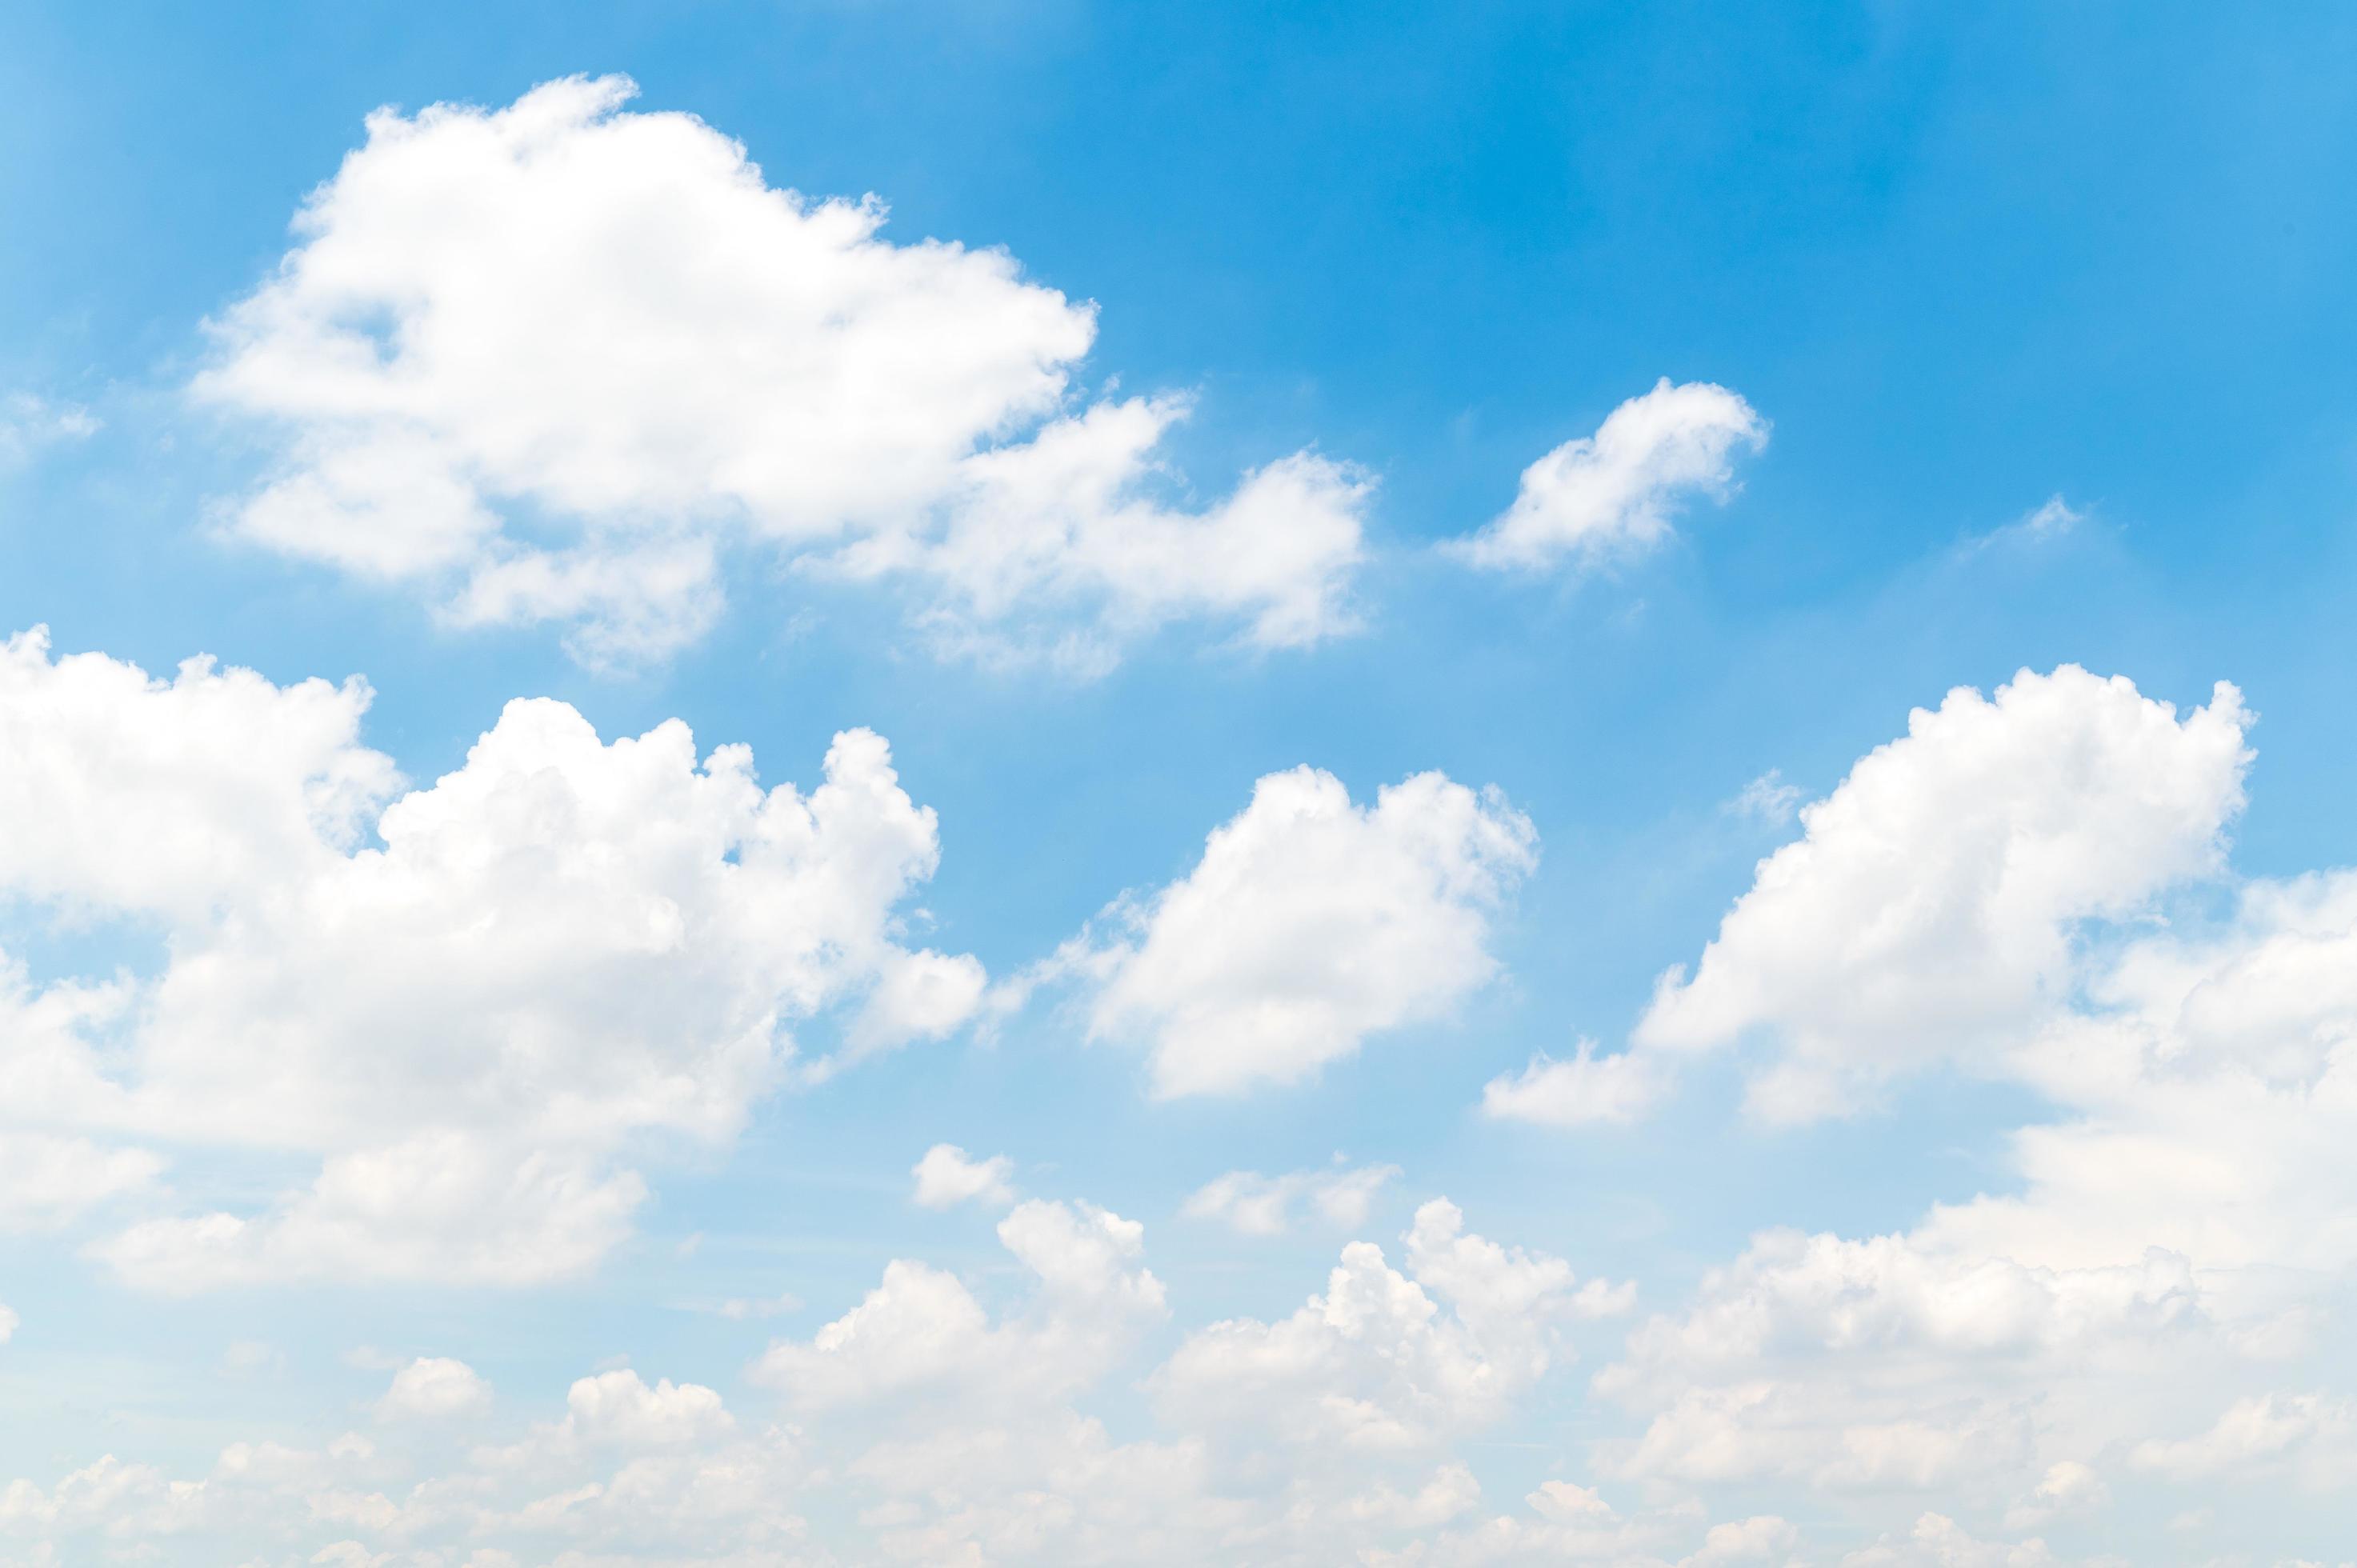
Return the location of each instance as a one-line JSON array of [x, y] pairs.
[[1941, 904], [549, 364], [474, 1003]]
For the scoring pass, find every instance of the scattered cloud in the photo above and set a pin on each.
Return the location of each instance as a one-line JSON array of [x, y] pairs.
[[553, 363], [1256, 1205], [434, 1388], [1614, 495], [948, 1176]]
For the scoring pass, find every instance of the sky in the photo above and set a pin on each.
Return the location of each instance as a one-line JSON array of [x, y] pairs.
[[966, 781]]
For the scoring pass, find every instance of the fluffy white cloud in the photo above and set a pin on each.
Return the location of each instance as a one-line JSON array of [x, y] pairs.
[[563, 949], [434, 1388], [2173, 1238], [1586, 1089], [1375, 1364], [948, 1176], [610, 324], [1614, 494], [1309, 924], [920, 1333], [1889, 1364], [1930, 908], [1256, 1205]]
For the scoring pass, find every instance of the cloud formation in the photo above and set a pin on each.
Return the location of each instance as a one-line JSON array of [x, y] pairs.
[[552, 363], [1309, 924], [1613, 495], [470, 1001]]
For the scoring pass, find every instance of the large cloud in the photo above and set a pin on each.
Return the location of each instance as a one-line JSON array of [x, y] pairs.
[[549, 362], [562, 951], [1930, 911], [1309, 924], [2149, 1289]]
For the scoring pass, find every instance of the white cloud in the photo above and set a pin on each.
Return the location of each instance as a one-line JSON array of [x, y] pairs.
[[1767, 800], [920, 1333], [562, 950], [608, 323], [2068, 1487], [1375, 1364], [1938, 1542], [2171, 1233], [1256, 1205], [1892, 1364], [1614, 494], [46, 1180], [1929, 910], [948, 1176], [1309, 924], [2250, 1432], [434, 1388], [9, 1323], [28, 423], [1587, 1091], [1761, 1538]]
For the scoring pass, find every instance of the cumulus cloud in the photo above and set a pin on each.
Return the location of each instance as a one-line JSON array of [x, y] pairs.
[[1929, 910], [434, 1388], [551, 362], [948, 1176], [1309, 924], [1256, 1205], [1615, 494], [920, 1333], [468, 1000], [2171, 1235], [1375, 1364]]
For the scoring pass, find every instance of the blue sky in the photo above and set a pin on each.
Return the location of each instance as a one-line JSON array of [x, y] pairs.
[[2029, 324]]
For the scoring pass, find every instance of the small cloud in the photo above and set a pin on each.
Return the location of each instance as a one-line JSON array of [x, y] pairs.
[[434, 1388], [28, 423], [2056, 519], [948, 1176], [739, 1309], [1584, 1091], [1767, 800], [1256, 1205]]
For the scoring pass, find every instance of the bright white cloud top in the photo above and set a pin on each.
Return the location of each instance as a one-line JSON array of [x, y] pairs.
[[559, 951], [1309, 924], [554, 362], [1606, 497]]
